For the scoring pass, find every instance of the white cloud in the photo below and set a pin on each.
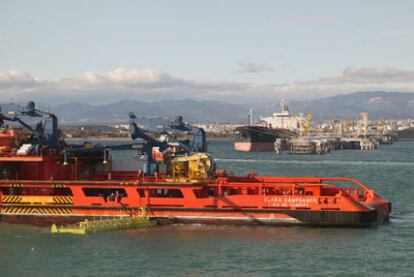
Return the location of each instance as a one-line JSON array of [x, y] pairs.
[[249, 66], [152, 85], [101, 87], [353, 79], [16, 79], [130, 77]]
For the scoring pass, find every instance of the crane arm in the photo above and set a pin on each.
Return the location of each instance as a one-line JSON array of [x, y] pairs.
[[24, 124], [136, 132], [199, 143], [16, 119]]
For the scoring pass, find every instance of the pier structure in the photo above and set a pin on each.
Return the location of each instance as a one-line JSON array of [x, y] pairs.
[[357, 144], [302, 146], [309, 146], [321, 145]]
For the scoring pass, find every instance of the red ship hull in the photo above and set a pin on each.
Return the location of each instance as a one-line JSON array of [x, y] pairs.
[[249, 200], [254, 146]]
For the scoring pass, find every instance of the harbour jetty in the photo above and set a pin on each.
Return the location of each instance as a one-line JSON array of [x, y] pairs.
[[320, 146], [298, 135]]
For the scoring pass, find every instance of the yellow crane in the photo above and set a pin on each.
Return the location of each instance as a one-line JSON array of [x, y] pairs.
[[381, 127], [306, 124]]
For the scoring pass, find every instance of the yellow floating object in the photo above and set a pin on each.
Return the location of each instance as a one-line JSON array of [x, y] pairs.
[[87, 227]]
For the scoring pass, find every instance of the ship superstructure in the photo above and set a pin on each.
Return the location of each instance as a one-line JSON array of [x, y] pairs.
[[282, 120], [274, 132]]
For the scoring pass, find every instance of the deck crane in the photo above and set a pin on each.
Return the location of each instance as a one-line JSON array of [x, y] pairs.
[[45, 132], [167, 146], [198, 144]]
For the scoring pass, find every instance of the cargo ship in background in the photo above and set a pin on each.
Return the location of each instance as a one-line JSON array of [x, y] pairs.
[[260, 138], [252, 138], [44, 180]]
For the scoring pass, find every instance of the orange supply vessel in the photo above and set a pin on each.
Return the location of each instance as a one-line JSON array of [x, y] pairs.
[[67, 184], [43, 189]]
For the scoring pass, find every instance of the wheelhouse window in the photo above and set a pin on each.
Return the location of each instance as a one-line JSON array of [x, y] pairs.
[[104, 192], [231, 191], [253, 191], [109, 194], [166, 193], [141, 192], [205, 192]]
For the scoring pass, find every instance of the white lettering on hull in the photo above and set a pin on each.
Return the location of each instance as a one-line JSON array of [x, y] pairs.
[[297, 202]]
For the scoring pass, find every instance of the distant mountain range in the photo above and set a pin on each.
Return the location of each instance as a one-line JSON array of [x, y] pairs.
[[117, 112], [389, 105]]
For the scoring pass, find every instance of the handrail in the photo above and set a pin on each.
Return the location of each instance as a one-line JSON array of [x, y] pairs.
[[346, 179], [313, 180], [133, 182]]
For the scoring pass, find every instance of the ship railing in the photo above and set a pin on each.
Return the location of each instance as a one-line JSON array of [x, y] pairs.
[[361, 192], [309, 180], [358, 191]]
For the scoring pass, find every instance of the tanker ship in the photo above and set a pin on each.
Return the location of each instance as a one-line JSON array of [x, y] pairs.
[[253, 138], [260, 138], [44, 180]]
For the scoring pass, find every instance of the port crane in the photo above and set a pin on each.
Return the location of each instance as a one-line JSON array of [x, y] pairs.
[[306, 124]]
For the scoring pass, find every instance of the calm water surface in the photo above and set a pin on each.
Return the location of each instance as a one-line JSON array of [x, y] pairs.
[[194, 250]]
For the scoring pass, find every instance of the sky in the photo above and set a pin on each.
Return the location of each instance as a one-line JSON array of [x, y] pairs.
[[237, 51]]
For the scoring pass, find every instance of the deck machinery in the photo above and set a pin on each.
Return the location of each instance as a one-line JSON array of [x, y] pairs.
[[50, 181]]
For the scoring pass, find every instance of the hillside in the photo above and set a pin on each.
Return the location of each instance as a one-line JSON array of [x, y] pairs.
[[389, 105]]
